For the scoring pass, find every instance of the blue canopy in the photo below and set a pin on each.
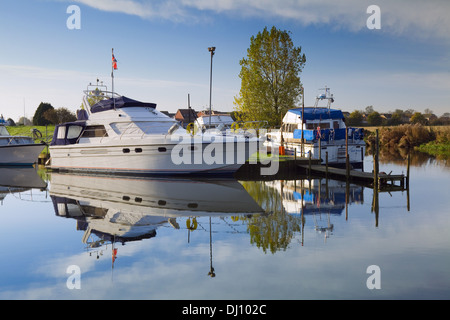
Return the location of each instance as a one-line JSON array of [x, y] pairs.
[[67, 140], [318, 113], [121, 102]]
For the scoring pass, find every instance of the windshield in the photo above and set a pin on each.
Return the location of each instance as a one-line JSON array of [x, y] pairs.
[[3, 131]]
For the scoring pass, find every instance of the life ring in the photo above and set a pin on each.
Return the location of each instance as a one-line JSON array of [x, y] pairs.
[[36, 133], [192, 226], [318, 134], [191, 129]]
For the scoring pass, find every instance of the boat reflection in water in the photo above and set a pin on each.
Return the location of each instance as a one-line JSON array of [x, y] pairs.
[[113, 209], [315, 198], [19, 179]]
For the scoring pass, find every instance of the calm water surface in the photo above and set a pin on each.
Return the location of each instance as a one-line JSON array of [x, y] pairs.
[[223, 239]]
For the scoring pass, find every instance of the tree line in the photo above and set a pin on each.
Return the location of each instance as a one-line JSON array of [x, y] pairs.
[[370, 117], [46, 114]]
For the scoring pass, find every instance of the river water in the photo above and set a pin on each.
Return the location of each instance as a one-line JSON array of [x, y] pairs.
[[84, 237]]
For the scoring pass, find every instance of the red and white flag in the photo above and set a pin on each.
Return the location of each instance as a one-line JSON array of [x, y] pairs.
[[114, 62]]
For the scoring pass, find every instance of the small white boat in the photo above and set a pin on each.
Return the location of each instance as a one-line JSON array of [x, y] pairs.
[[18, 150], [119, 135], [323, 132]]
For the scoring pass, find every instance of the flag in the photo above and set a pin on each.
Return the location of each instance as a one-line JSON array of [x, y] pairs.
[[114, 255], [114, 62]]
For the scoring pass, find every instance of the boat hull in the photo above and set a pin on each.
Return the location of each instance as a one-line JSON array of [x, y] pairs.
[[335, 152], [138, 158], [20, 154]]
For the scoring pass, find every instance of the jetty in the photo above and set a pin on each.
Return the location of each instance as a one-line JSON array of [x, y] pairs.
[[384, 181]]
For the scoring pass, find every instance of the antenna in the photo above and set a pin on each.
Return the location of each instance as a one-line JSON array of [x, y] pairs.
[[327, 95]]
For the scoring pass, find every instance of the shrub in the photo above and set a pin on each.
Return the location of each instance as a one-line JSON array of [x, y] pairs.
[[406, 136]]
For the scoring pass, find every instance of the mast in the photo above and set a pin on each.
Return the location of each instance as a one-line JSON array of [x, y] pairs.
[[303, 118]]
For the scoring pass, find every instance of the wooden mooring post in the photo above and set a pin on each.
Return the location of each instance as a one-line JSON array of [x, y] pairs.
[[375, 162]]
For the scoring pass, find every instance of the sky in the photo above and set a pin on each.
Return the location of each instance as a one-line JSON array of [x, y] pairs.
[[50, 52]]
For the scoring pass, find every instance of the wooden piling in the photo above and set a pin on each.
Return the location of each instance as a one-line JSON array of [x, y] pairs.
[[320, 149], [408, 205], [375, 162], [347, 160], [309, 164], [407, 170]]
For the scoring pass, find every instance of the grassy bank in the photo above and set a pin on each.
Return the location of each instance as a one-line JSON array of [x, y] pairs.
[[430, 139], [27, 131], [440, 146]]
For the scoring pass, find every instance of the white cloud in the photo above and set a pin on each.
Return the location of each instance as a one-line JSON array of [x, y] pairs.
[[407, 17]]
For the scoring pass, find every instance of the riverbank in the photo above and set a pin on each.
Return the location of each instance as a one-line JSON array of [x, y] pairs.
[[434, 140]]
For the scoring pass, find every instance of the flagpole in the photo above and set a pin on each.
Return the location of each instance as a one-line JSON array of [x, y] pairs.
[[112, 77]]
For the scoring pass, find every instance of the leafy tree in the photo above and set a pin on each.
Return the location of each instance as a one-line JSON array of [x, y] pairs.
[[24, 121], [374, 119], [418, 117], [11, 122], [38, 118], [395, 119], [270, 82], [369, 109], [60, 115], [355, 118]]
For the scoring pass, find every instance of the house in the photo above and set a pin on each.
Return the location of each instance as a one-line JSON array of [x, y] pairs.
[[185, 116]]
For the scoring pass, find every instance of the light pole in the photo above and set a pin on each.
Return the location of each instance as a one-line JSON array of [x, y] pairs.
[[210, 49]]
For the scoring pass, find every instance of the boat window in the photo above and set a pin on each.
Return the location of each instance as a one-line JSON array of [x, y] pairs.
[[74, 132], [314, 125], [95, 131], [141, 127], [3, 131], [336, 124], [289, 127], [61, 133]]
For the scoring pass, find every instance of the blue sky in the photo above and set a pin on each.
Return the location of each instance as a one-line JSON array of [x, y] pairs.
[[161, 48]]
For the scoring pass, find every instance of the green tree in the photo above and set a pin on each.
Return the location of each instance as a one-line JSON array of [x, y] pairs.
[[395, 119], [418, 117], [355, 118], [38, 118], [270, 81], [374, 119], [60, 115]]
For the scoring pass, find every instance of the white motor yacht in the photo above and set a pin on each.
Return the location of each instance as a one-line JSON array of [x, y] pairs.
[[119, 135]]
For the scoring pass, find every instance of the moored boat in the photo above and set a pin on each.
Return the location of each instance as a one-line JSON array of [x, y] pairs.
[[18, 150], [119, 135], [320, 132]]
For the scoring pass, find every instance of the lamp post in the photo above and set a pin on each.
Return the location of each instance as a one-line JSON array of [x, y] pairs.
[[210, 49]]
